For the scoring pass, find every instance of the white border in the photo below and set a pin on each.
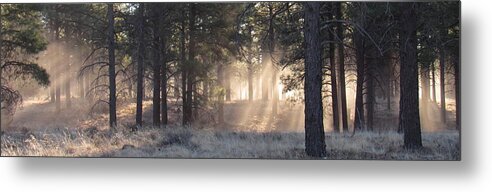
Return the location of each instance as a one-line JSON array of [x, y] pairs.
[[473, 173]]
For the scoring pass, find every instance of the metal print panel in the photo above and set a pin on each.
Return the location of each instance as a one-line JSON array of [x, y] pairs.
[[266, 80]]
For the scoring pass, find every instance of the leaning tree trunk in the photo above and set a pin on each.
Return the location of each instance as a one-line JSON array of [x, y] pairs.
[[314, 131], [140, 63], [112, 73], [409, 91]]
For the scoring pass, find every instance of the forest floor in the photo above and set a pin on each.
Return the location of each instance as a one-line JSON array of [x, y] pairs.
[[37, 130]]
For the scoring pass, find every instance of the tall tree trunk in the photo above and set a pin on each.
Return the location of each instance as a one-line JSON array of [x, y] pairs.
[[81, 85], [68, 72], [424, 83], [388, 94], [250, 83], [56, 80], [227, 82], [341, 68], [177, 85], [442, 74], [164, 77], [88, 83], [333, 77], [52, 85], [271, 51], [164, 116], [184, 71], [389, 78], [457, 89], [265, 58], [51, 66], [191, 58], [250, 64], [409, 91], [434, 95], [370, 90], [156, 68], [140, 63], [112, 73], [274, 92], [68, 77], [220, 95], [206, 91], [359, 97], [314, 131]]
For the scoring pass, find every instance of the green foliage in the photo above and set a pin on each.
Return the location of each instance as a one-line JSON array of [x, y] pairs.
[[30, 40], [22, 38]]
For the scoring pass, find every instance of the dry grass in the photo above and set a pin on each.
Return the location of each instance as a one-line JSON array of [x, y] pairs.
[[177, 142]]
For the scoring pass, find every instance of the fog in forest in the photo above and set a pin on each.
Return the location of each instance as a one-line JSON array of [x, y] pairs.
[[235, 69], [240, 113]]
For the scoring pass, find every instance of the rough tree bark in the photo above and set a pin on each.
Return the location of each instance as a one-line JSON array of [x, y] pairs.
[[156, 68], [314, 131], [359, 98], [409, 91], [140, 63], [191, 58], [112, 73], [359, 43], [163, 67]]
